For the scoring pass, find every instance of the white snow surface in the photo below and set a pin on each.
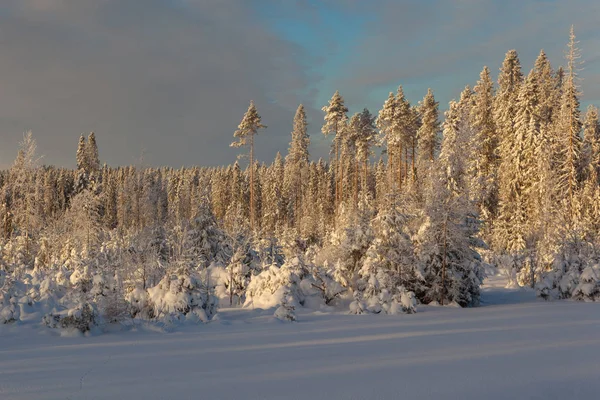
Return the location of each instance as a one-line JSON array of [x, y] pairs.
[[513, 346]]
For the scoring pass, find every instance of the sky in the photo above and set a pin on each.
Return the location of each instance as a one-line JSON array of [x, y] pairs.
[[166, 82]]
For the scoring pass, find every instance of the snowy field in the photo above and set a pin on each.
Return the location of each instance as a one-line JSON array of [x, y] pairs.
[[514, 346]]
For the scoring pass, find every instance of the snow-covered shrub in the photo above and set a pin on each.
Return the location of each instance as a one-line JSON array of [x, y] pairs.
[[241, 267], [357, 306], [572, 275], [588, 288], [11, 291], [9, 310], [567, 282], [546, 287], [81, 317], [308, 285], [329, 288], [408, 302], [268, 288], [181, 295], [113, 306], [379, 291], [139, 305], [286, 310]]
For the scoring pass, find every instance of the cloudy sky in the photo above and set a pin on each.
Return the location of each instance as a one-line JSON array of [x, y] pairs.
[[171, 79]]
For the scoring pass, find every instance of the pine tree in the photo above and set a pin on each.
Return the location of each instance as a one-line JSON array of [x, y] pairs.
[[251, 123], [335, 112], [366, 132], [405, 123]]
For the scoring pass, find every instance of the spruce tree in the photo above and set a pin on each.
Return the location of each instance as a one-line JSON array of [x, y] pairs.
[[483, 163], [568, 132], [81, 157], [509, 81], [505, 109], [389, 135], [91, 150], [455, 151], [428, 133], [590, 193], [296, 163]]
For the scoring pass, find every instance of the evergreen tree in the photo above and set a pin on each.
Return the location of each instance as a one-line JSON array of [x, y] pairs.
[[251, 123], [519, 169], [389, 135], [296, 163], [430, 129], [91, 150], [509, 81], [298, 151], [444, 244], [405, 121], [335, 112], [365, 128], [25, 213], [82, 159], [590, 192], [455, 151], [484, 145], [505, 109], [569, 139]]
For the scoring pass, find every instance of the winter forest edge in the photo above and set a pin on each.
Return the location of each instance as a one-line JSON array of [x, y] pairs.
[[508, 180]]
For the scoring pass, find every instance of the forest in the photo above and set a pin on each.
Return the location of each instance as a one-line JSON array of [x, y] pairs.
[[411, 208]]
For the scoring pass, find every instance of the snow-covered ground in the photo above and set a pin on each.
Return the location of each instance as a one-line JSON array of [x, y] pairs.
[[514, 346]]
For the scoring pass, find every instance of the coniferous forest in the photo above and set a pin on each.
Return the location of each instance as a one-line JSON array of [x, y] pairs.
[[412, 207]]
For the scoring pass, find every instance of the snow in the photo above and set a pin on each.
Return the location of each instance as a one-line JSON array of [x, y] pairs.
[[513, 346]]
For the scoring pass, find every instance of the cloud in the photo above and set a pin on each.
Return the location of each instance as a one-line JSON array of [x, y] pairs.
[[174, 77], [445, 44], [171, 77]]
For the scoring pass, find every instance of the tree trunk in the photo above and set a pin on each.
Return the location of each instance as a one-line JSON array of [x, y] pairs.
[[391, 174], [341, 169], [414, 170], [399, 155], [231, 287], [252, 183], [355, 184], [445, 247], [406, 163], [365, 176]]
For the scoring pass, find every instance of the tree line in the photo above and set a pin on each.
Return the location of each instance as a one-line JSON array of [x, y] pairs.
[[509, 176]]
